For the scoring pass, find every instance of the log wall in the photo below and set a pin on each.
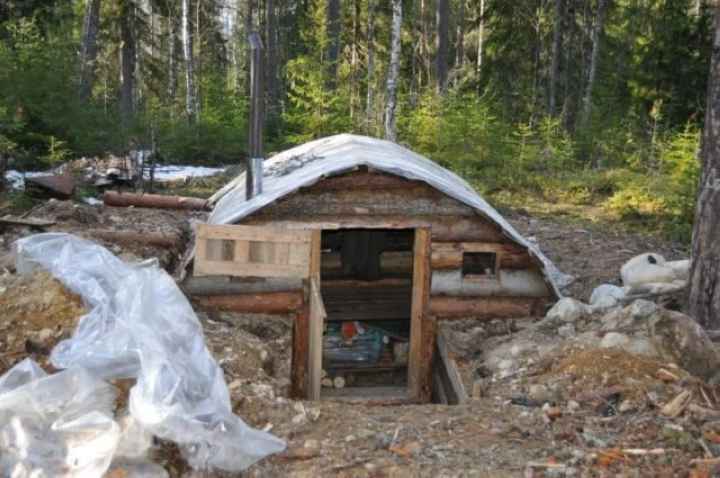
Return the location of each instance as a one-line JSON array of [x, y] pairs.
[[365, 199]]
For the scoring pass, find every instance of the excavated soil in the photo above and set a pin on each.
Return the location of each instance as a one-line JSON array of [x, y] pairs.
[[36, 312]]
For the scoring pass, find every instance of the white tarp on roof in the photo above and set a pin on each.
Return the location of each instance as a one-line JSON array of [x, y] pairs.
[[306, 164]]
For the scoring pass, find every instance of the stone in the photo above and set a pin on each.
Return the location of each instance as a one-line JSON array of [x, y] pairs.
[[680, 268], [682, 340], [642, 346], [606, 296], [44, 335], [312, 444], [641, 309], [614, 339], [646, 268], [626, 406], [540, 393], [567, 309], [567, 331], [573, 406]]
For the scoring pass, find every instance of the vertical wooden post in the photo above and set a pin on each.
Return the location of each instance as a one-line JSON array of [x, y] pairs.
[[298, 375], [317, 319], [421, 329]]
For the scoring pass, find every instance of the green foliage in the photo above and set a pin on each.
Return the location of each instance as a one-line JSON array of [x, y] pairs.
[[313, 109]]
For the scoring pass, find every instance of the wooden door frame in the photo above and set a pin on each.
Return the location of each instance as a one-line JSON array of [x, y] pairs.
[[422, 328]]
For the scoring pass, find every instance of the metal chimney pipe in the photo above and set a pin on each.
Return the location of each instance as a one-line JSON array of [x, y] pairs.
[[253, 172]]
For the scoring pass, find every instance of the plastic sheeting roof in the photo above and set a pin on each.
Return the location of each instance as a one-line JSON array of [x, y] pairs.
[[309, 163]]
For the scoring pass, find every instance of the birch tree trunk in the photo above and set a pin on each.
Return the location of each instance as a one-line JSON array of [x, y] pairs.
[[704, 299], [460, 34], [393, 71], [556, 53], [369, 107], [190, 100], [88, 49], [481, 37], [127, 57], [441, 59], [354, 59], [271, 61], [597, 33], [172, 80]]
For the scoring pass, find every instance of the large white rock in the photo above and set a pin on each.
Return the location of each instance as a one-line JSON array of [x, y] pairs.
[[606, 296], [681, 268], [567, 309], [646, 268]]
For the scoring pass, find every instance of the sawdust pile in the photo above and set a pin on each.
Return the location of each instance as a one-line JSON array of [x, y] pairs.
[[36, 312]]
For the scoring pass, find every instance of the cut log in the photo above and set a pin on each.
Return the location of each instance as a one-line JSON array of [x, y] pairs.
[[224, 285], [158, 201], [268, 303], [22, 221], [339, 382], [156, 239], [484, 308]]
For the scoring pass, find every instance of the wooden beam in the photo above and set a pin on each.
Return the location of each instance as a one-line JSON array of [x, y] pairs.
[[226, 285], [315, 345], [418, 368], [449, 229], [444, 307], [298, 369], [246, 233], [458, 394], [262, 303]]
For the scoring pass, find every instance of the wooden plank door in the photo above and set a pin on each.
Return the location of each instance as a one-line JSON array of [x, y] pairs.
[[252, 251]]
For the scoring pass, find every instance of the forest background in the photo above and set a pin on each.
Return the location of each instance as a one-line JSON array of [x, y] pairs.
[[589, 107]]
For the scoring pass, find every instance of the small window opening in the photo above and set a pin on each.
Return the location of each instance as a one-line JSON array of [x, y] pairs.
[[479, 264]]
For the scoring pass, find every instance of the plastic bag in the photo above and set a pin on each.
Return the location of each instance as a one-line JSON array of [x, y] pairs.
[[55, 425], [141, 325]]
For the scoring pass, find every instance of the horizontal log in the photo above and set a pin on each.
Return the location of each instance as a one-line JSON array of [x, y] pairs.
[[266, 303], [448, 255], [156, 239], [158, 201], [362, 180], [224, 285], [510, 283], [441, 260], [485, 308], [390, 262], [448, 229]]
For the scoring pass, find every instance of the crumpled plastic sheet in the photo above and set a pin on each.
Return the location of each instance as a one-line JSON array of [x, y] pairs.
[[56, 425], [141, 325]]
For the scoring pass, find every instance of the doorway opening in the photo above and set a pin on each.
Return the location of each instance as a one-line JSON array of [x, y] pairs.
[[367, 283]]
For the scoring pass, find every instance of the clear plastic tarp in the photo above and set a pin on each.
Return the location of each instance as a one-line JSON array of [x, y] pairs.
[[141, 325]]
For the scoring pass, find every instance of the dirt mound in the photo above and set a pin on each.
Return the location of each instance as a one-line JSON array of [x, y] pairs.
[[36, 312], [607, 367]]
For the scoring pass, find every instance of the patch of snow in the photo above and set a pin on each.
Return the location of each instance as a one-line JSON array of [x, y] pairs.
[[93, 201], [16, 179], [175, 172]]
